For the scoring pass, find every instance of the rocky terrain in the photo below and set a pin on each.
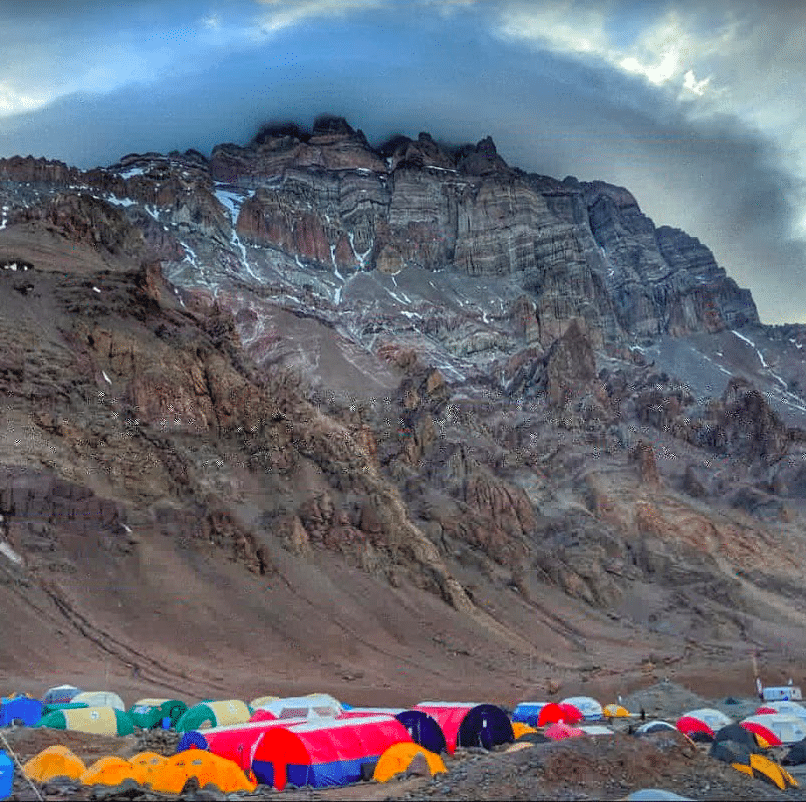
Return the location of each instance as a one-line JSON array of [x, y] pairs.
[[374, 418]]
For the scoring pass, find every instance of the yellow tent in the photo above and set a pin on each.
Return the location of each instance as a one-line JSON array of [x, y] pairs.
[[146, 765], [519, 728], [398, 757], [615, 711], [263, 700], [765, 769], [108, 771], [55, 761], [206, 767]]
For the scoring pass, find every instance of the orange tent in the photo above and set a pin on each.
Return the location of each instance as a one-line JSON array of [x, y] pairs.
[[55, 761], [206, 767], [108, 771]]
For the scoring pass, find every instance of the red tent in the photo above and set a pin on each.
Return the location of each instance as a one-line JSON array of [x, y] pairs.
[[764, 710], [323, 752], [234, 741], [765, 732], [559, 731], [688, 724], [554, 713], [468, 724], [263, 715]]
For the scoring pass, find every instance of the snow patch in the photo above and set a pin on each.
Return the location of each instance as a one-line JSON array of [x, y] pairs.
[[95, 289], [106, 378], [10, 554], [115, 201], [132, 171], [5, 218]]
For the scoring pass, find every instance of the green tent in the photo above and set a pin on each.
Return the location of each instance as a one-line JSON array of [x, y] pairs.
[[149, 713], [97, 720], [213, 714]]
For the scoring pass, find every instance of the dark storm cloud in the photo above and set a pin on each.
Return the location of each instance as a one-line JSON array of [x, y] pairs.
[[713, 175]]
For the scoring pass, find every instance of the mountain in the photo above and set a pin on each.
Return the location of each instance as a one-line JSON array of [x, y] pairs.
[[375, 418]]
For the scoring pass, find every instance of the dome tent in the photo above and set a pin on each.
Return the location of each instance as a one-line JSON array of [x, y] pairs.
[[786, 729], [398, 757], [60, 694], [324, 752], [469, 724], [171, 776], [318, 705], [149, 713], [20, 709], [111, 770], [213, 714], [587, 705], [55, 761], [528, 712]]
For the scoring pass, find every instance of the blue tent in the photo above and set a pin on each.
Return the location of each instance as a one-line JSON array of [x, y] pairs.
[[528, 712], [20, 709]]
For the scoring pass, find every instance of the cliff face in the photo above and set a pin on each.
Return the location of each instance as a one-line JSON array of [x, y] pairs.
[[410, 370]]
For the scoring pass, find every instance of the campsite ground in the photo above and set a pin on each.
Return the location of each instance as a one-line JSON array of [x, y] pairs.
[[574, 769]]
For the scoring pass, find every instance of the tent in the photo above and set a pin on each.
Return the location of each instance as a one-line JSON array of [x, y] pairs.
[[715, 719], [170, 778], [261, 701], [765, 737], [656, 725], [763, 768], [558, 732], [730, 752], [738, 734], [528, 712], [61, 693], [55, 761], [596, 729], [99, 699], [97, 720], [520, 729], [422, 728], [688, 725], [149, 713], [787, 729], [108, 771], [145, 765], [796, 756], [587, 705], [213, 714], [324, 752], [786, 708], [469, 724], [398, 757], [234, 741], [656, 795], [764, 710], [20, 710], [615, 711], [554, 713], [313, 706]]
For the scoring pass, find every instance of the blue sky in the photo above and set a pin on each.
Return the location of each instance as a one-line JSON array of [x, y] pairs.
[[697, 111]]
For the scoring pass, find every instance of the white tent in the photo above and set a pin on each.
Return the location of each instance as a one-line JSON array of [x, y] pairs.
[[586, 705], [788, 708], [319, 705], [789, 729], [715, 719], [100, 699]]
